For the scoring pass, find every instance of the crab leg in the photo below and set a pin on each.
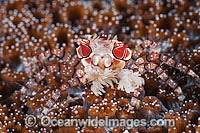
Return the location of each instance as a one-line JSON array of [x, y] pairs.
[[69, 70], [58, 68], [51, 102], [140, 48], [44, 56], [170, 62], [62, 54], [71, 83], [144, 66]]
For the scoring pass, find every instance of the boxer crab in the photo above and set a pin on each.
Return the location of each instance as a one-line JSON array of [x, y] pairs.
[[109, 62]]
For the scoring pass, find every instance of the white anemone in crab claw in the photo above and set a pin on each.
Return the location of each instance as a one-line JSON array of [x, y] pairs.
[[100, 77], [129, 80]]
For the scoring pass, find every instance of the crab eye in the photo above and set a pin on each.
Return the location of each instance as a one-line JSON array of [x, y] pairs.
[[119, 52], [83, 51]]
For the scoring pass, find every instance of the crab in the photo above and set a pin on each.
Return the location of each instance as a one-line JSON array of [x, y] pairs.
[[109, 62]]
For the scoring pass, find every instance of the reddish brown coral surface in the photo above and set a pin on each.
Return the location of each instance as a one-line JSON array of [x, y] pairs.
[[31, 27]]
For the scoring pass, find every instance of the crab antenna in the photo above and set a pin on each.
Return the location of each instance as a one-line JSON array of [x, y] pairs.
[[109, 36], [98, 37], [94, 36], [115, 38]]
